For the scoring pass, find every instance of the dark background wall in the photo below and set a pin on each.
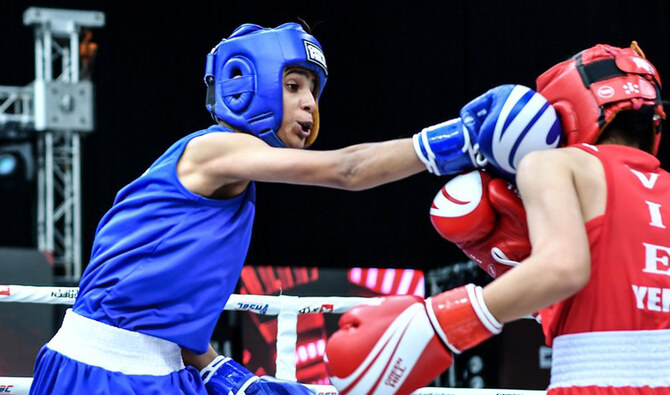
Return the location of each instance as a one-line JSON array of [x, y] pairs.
[[395, 67]]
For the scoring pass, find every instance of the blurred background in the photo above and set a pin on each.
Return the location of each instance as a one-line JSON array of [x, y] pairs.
[[394, 68]]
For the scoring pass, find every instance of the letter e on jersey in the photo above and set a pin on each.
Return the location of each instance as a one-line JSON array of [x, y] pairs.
[[656, 259]]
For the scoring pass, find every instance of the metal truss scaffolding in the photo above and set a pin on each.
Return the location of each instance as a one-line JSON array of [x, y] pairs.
[[58, 106]]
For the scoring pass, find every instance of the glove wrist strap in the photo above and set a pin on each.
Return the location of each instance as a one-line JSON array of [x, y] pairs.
[[447, 148], [223, 376], [461, 319], [208, 371]]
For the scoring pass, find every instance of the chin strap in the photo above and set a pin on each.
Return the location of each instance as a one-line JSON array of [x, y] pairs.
[[271, 139]]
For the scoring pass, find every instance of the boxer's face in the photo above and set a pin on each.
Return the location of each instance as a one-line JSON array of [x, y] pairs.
[[299, 86]]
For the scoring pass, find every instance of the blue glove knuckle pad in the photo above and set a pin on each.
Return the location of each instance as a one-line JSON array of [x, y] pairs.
[[477, 110]]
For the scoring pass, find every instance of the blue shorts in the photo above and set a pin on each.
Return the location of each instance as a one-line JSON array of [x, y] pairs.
[[89, 358]]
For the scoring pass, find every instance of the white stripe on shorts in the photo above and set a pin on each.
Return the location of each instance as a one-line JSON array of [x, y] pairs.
[[612, 358], [115, 349]]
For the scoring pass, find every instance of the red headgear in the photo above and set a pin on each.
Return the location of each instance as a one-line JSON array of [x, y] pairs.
[[590, 88]]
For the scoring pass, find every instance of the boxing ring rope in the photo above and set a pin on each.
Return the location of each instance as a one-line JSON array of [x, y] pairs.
[[286, 308]]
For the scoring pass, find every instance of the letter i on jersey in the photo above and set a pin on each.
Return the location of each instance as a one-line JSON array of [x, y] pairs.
[[654, 208]]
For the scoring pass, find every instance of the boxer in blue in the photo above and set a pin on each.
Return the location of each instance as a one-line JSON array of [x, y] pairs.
[[169, 252]]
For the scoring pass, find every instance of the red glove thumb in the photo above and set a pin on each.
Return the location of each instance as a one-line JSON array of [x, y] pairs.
[[506, 202], [508, 249]]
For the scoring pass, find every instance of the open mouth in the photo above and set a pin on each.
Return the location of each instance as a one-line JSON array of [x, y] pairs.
[[306, 127]]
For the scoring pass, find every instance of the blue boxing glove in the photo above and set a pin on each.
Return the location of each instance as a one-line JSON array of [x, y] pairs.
[[223, 376], [511, 121], [496, 129]]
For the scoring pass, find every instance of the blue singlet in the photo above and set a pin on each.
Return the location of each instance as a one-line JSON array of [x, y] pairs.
[[165, 260]]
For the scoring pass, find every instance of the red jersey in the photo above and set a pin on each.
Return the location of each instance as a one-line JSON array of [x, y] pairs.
[[613, 336]]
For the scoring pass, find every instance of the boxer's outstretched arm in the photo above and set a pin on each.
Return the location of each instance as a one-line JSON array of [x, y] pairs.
[[218, 159]]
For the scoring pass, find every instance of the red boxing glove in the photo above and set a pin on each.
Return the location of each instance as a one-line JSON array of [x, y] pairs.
[[485, 218], [402, 344], [387, 349]]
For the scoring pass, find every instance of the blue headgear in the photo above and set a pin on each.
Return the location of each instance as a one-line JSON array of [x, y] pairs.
[[257, 57]]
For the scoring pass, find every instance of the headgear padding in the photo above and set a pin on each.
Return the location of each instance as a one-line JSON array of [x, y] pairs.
[[589, 89], [244, 75]]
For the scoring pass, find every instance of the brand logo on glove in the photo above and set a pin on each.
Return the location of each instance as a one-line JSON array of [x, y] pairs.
[[396, 373], [492, 270], [605, 91]]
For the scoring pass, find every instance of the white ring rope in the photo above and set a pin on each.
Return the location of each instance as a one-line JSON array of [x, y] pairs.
[[31, 294], [259, 304], [330, 390], [21, 386], [286, 308], [15, 385]]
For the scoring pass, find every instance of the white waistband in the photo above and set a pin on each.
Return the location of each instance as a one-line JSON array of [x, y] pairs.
[[115, 349], [612, 358]]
